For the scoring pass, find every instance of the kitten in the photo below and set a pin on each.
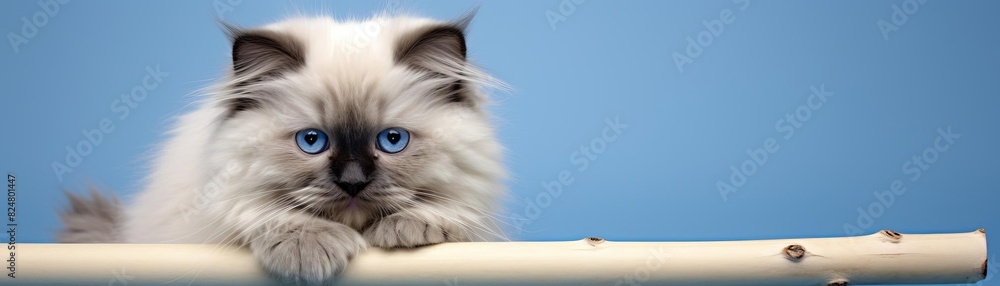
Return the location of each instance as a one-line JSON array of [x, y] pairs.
[[326, 138]]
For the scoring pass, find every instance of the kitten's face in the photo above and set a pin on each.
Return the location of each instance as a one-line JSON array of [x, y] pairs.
[[355, 137]]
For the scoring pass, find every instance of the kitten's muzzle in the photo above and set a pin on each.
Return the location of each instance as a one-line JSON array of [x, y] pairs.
[[352, 178]]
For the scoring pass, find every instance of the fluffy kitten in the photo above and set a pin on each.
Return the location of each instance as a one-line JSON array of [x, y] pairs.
[[326, 138]]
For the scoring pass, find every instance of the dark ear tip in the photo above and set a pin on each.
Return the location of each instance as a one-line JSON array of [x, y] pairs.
[[263, 54], [435, 39], [232, 31], [462, 22]]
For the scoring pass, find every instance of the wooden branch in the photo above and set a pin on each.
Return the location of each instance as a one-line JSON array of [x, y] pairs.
[[886, 257]]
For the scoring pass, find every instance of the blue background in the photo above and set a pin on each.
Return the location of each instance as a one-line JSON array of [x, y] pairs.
[[604, 60]]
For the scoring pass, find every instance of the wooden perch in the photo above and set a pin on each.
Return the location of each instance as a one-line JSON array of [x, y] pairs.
[[886, 257]]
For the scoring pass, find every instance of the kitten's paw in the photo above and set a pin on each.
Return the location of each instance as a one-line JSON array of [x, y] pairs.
[[312, 253], [399, 230]]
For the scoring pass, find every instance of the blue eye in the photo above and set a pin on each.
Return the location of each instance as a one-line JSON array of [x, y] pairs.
[[312, 141], [393, 140]]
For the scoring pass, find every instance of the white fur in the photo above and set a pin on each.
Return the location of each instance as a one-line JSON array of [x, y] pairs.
[[209, 180]]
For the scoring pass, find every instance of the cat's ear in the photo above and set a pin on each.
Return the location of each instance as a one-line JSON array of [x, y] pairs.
[[262, 54], [440, 49], [434, 48]]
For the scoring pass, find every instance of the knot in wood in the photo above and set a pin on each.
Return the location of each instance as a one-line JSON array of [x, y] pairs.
[[891, 234], [838, 282], [794, 252], [594, 241]]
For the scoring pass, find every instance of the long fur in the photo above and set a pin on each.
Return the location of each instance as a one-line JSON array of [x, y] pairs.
[[91, 219], [232, 174]]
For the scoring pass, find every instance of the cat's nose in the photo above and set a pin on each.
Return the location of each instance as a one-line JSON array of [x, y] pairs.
[[352, 180], [352, 189]]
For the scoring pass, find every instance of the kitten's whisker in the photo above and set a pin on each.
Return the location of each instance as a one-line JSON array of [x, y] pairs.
[[491, 231], [493, 217], [462, 222], [465, 226], [414, 204], [456, 201]]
